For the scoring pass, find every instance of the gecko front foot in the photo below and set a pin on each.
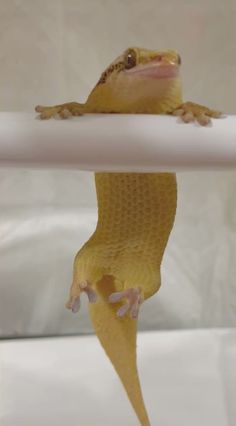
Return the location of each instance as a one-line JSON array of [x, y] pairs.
[[133, 297], [76, 289], [189, 111], [63, 111]]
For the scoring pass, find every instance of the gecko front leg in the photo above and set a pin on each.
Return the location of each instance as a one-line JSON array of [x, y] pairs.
[[63, 111], [189, 111]]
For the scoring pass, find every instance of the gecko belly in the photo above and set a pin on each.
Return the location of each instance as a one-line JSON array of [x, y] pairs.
[[136, 212]]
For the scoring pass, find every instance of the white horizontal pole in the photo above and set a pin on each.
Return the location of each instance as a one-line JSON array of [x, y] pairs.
[[117, 143]]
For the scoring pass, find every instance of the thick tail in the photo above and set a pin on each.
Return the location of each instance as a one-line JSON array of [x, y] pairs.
[[118, 338]]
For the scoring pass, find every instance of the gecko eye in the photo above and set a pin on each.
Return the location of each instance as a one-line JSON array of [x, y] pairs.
[[179, 60], [130, 59]]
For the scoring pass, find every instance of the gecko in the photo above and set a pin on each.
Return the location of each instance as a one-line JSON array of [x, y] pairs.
[[118, 268]]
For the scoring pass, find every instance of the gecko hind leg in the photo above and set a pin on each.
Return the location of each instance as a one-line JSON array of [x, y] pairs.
[[76, 289], [133, 298]]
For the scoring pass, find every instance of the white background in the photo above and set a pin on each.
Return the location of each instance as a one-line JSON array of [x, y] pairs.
[[188, 378]]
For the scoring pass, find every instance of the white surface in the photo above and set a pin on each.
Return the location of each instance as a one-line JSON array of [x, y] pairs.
[[188, 379], [115, 142]]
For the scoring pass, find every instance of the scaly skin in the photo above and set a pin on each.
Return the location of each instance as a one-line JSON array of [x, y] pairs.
[[119, 266]]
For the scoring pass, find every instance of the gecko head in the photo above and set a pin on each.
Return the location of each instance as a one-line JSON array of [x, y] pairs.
[[153, 64], [140, 77]]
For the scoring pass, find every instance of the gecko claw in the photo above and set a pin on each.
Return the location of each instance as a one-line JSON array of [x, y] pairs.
[[116, 297], [65, 113], [123, 310], [74, 302], [133, 301]]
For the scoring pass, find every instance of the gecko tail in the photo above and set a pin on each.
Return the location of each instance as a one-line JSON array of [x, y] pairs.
[[118, 338]]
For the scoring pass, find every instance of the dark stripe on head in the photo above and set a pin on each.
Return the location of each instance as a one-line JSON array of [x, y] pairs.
[[114, 67]]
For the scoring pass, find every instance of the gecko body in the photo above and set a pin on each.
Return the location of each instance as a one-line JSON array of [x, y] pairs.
[[119, 266]]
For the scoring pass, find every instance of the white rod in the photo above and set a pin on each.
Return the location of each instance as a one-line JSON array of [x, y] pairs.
[[117, 143]]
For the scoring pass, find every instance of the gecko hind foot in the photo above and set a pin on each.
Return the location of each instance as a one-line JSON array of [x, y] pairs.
[[73, 303], [133, 299]]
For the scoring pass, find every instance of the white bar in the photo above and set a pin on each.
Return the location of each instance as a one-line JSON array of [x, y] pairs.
[[117, 142]]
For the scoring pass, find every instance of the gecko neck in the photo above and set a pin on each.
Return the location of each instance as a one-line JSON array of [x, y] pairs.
[[143, 96]]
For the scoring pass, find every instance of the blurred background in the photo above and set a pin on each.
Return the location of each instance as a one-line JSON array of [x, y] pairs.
[[53, 51]]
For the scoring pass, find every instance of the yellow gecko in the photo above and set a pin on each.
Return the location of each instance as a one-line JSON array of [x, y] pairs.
[[119, 266]]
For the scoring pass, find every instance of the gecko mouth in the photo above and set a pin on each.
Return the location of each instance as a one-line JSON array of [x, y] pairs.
[[155, 70]]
